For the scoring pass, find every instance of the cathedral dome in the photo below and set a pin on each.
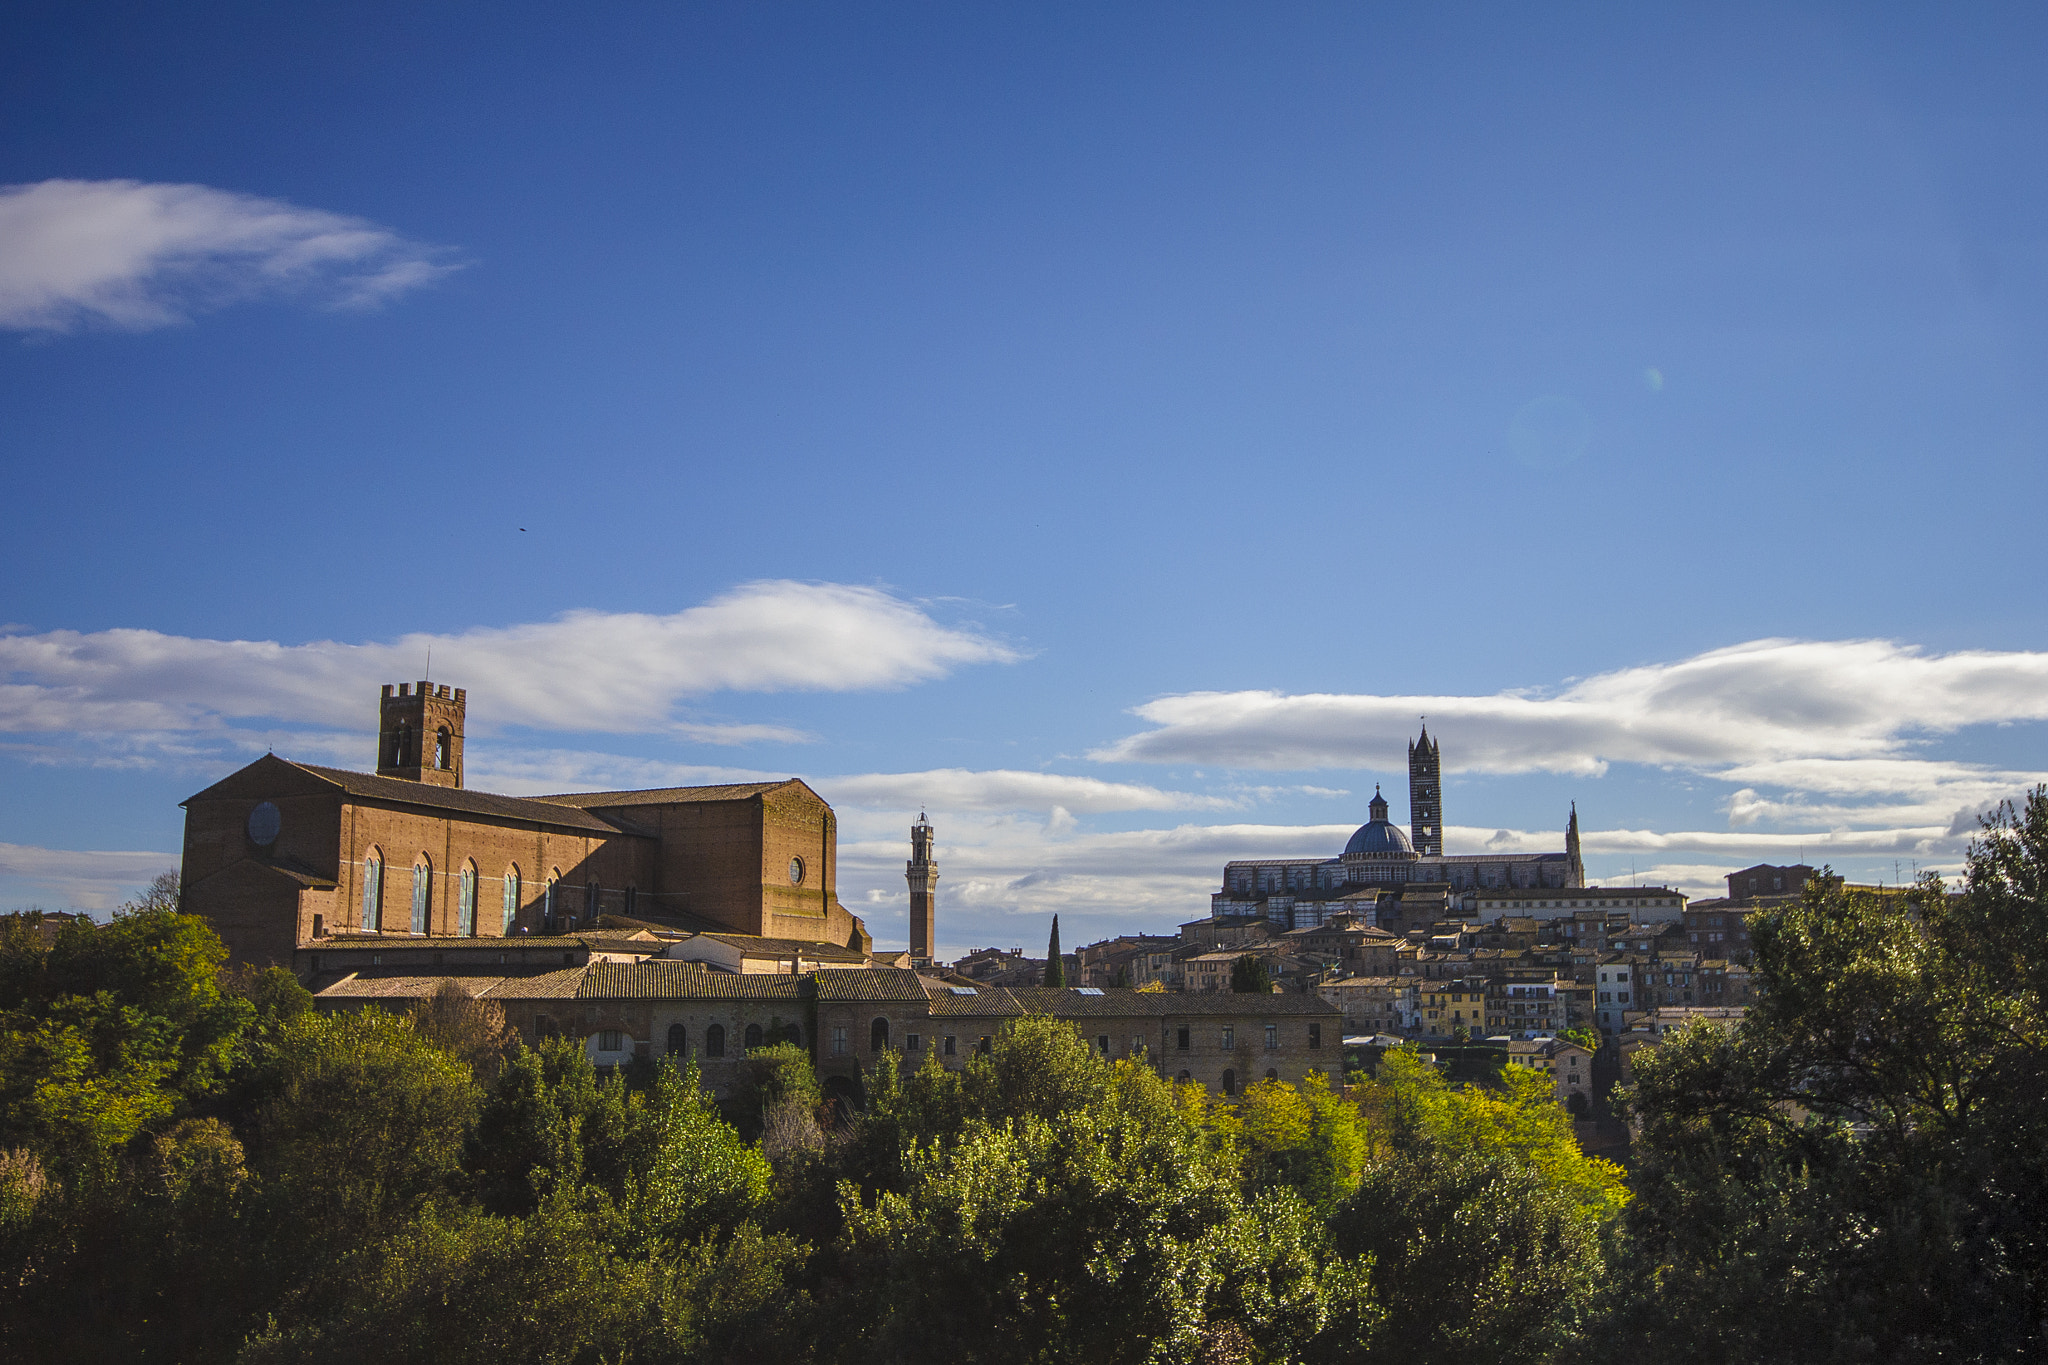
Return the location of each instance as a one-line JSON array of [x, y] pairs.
[[1378, 839]]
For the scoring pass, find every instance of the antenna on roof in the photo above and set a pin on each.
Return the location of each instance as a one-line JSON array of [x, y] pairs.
[[430, 660]]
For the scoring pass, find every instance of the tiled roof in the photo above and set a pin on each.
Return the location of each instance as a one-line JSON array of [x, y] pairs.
[[986, 1002], [868, 983], [663, 980], [789, 947], [556, 985], [353, 987], [487, 804], [665, 796], [1118, 1002], [413, 944]]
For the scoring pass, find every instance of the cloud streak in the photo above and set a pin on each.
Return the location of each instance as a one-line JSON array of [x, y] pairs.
[[618, 673], [1820, 710], [135, 256]]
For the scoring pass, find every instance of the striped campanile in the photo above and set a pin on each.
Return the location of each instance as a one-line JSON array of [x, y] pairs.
[[922, 874]]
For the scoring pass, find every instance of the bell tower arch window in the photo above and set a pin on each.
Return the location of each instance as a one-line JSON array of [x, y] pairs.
[[444, 749]]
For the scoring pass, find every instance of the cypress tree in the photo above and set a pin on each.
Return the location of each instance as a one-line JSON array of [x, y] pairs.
[[1055, 970]]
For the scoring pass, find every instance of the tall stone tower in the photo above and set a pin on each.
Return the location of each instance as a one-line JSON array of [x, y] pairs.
[[419, 733], [1425, 796], [922, 874]]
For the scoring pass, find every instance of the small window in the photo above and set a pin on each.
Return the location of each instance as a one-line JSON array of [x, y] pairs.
[[1102, 1043], [1272, 1037], [912, 1043], [1272, 1074], [1229, 1038], [1315, 1035], [753, 1036], [1229, 1081], [878, 1036], [1180, 1038], [678, 1040], [839, 1040], [609, 1041], [714, 1041], [794, 1034], [1137, 1047], [983, 1047]]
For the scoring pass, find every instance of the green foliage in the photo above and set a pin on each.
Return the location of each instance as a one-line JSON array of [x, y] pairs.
[[1055, 965], [1586, 1038], [1864, 1161], [701, 1177], [1249, 976]]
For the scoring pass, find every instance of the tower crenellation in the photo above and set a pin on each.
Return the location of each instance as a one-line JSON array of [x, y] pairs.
[[419, 733]]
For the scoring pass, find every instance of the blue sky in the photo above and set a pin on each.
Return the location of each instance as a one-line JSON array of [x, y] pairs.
[[1106, 426]]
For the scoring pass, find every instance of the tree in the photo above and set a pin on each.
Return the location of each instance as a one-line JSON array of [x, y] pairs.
[[1864, 1158], [1249, 976], [469, 1029], [1055, 966], [1586, 1038]]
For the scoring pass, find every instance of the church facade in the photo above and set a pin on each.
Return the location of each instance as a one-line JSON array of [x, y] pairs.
[[1381, 860], [282, 854]]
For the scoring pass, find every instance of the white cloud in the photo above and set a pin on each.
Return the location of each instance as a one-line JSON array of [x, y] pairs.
[[1765, 702], [585, 671], [127, 254], [63, 879]]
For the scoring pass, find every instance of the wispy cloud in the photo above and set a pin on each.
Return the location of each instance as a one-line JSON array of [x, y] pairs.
[[586, 671], [63, 879], [1768, 701], [133, 255]]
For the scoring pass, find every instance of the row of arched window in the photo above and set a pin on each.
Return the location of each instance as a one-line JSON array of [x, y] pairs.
[[714, 1038], [421, 902]]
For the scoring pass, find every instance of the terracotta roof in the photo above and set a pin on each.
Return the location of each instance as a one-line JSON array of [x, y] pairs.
[[419, 943], [666, 796], [353, 987], [487, 804], [662, 980], [788, 947], [560, 984], [985, 1002], [1118, 1002], [868, 983]]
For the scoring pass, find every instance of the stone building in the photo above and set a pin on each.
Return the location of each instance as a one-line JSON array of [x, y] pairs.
[[1380, 862], [655, 1007], [281, 854]]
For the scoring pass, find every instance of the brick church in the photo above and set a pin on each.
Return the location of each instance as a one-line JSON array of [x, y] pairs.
[[281, 854]]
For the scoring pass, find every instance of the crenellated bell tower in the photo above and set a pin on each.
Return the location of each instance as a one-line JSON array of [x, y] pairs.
[[922, 874], [419, 733], [1426, 796]]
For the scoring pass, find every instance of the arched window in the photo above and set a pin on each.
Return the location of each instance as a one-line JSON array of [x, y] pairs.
[[511, 899], [793, 1033], [1229, 1082], [422, 885], [878, 1036], [373, 890], [753, 1036], [593, 897], [399, 744], [714, 1041], [465, 905], [677, 1040], [1271, 1074], [547, 904], [1187, 1075], [444, 753]]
